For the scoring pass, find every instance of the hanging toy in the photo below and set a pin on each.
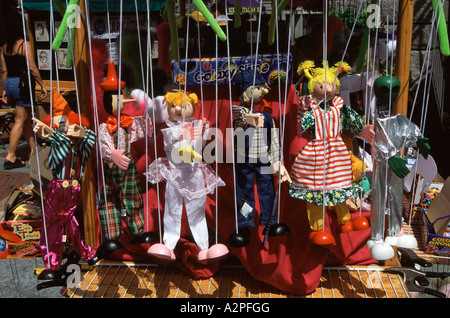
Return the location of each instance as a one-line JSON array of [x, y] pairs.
[[71, 146], [257, 156], [121, 196], [69, 20], [392, 134], [188, 178], [322, 170]]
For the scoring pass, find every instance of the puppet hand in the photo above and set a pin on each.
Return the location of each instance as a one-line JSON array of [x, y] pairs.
[[76, 131], [368, 133], [254, 119], [120, 159], [284, 174], [41, 129], [398, 166], [424, 146]]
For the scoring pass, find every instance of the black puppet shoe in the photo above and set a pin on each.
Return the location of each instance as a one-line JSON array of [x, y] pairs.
[[146, 237]]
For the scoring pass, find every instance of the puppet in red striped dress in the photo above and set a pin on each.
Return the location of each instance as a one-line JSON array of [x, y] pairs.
[[322, 170]]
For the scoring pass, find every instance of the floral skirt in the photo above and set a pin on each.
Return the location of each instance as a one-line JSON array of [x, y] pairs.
[[331, 197]]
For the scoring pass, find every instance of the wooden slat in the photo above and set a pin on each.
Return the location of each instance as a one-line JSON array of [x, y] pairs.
[[151, 281]]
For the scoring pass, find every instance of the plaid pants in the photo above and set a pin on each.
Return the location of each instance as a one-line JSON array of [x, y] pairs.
[[122, 193]]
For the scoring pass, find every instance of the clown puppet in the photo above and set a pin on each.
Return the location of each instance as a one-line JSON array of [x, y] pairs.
[[257, 157], [188, 178], [121, 197], [322, 170], [71, 146]]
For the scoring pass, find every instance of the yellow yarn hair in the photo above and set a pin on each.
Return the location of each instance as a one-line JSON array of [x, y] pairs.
[[177, 97], [317, 74]]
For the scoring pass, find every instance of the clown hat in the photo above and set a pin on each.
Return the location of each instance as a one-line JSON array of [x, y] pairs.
[[60, 106], [111, 82]]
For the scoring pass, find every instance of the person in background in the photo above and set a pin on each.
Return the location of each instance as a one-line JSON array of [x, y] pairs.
[[14, 58]]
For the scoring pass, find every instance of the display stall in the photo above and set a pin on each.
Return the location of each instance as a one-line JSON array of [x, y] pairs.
[[203, 136]]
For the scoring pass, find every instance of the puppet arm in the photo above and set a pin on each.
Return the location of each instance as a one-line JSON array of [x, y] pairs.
[[87, 143], [109, 152], [42, 130]]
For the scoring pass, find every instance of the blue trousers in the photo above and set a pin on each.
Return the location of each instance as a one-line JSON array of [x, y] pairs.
[[247, 174]]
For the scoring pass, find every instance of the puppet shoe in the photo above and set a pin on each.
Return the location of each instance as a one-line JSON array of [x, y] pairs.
[[146, 237], [276, 229], [391, 240], [93, 260], [217, 251], [239, 238], [161, 251], [48, 274], [407, 241], [360, 223], [322, 238], [381, 251], [347, 227], [203, 255], [107, 247]]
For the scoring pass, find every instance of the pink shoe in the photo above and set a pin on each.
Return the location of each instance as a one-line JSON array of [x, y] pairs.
[[217, 251], [161, 251]]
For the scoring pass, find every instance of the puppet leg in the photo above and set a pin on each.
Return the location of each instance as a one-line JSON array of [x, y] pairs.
[[195, 210], [245, 187], [378, 206], [395, 204], [52, 253], [266, 195], [109, 211], [395, 217], [344, 217], [132, 200], [379, 250], [173, 207], [315, 216]]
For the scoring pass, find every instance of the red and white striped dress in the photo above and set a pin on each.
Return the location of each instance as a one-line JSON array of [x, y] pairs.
[[324, 163]]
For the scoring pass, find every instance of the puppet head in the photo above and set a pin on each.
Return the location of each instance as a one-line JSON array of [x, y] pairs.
[[245, 88], [323, 81], [180, 105], [62, 114], [386, 89], [113, 102]]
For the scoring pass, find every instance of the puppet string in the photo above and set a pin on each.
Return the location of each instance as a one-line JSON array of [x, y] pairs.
[[231, 122], [95, 108], [33, 115]]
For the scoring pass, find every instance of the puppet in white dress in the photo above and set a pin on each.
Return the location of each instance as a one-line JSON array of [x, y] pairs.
[[188, 178]]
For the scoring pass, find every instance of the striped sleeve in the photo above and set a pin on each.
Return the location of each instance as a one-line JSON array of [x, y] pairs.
[[87, 144]]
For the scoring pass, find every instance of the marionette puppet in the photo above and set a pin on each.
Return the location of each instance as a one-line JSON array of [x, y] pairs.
[[257, 157], [392, 135], [188, 178], [121, 197], [322, 170], [71, 146]]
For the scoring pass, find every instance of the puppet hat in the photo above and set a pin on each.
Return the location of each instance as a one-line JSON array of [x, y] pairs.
[[111, 82], [60, 106], [244, 80]]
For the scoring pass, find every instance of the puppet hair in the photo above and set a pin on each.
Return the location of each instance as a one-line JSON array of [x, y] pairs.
[[317, 74], [72, 118], [177, 97]]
